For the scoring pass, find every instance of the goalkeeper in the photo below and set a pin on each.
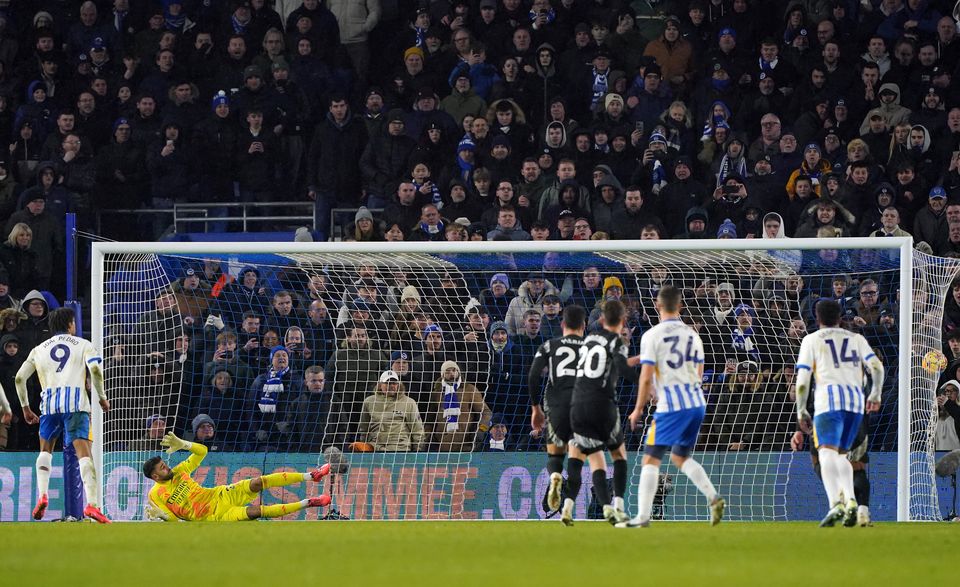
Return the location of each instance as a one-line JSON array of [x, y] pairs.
[[175, 495]]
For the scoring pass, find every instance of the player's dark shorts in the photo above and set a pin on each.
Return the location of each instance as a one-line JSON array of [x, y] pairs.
[[595, 426], [558, 421]]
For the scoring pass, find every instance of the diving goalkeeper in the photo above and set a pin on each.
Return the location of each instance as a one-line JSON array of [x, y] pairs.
[[175, 495]]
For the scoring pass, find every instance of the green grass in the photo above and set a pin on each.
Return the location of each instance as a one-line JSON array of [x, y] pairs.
[[456, 554]]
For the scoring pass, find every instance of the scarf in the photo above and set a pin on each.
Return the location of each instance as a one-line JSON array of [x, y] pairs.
[[729, 166], [659, 177], [720, 84], [434, 194], [451, 405], [743, 342], [466, 170], [551, 15], [174, 23], [421, 36], [239, 27], [430, 229], [599, 88], [267, 402]]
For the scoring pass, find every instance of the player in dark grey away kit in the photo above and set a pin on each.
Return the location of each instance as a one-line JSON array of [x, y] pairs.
[[559, 356], [594, 416]]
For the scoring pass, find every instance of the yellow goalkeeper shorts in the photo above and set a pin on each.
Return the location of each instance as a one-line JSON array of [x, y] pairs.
[[232, 501]]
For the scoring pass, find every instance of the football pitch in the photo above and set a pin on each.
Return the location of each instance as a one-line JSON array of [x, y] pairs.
[[475, 553]]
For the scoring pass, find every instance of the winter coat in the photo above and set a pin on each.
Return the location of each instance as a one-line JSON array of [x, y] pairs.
[[127, 158], [357, 18], [351, 372], [21, 267], [172, 176], [333, 163], [391, 423], [459, 105], [33, 331], [216, 141], [48, 242], [893, 113], [471, 424], [273, 429], [385, 160], [523, 302]]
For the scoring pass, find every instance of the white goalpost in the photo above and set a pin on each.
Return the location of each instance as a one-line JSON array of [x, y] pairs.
[[461, 449]]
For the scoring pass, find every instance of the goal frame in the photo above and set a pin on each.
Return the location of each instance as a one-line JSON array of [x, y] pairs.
[[903, 244]]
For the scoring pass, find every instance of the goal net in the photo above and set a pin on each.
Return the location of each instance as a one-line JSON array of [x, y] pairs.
[[405, 366]]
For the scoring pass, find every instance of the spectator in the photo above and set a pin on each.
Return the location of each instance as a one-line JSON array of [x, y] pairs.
[[284, 313], [930, 225], [890, 223], [353, 369], [34, 329], [222, 400], [19, 260], [47, 241], [947, 436], [171, 162], [333, 169], [461, 416], [312, 407], [508, 227], [431, 226], [385, 158], [389, 420], [530, 296], [868, 307], [463, 101], [271, 400], [205, 432], [155, 428], [825, 212]]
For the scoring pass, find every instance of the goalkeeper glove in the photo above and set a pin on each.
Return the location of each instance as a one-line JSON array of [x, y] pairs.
[[174, 444], [154, 514]]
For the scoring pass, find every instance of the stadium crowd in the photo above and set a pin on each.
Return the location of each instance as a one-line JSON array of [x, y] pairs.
[[469, 119]]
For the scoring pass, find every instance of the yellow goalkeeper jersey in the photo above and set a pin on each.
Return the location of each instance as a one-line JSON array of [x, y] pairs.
[[183, 497]]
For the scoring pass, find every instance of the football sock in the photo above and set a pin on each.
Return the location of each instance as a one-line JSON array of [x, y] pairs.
[[828, 474], [600, 487], [281, 479], [88, 474], [574, 477], [44, 460], [861, 487], [620, 478], [282, 509], [554, 463], [649, 476], [845, 476], [695, 473]]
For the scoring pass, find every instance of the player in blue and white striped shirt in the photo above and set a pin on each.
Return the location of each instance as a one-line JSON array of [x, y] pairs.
[[61, 364], [671, 355], [836, 359]]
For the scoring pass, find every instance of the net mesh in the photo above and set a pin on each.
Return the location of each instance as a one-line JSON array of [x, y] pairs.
[[188, 338]]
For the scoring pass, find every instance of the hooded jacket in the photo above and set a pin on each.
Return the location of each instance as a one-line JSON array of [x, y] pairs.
[[525, 301], [603, 212], [843, 220], [692, 214], [391, 423], [33, 330], [893, 113]]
